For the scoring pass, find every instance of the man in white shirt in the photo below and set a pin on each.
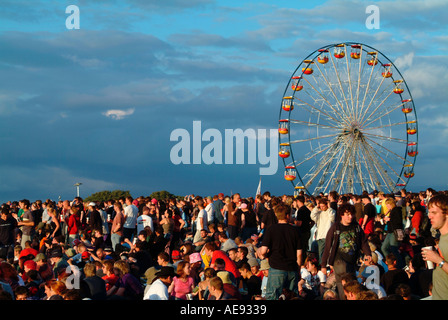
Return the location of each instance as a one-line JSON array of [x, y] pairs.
[[210, 210], [158, 290], [144, 220], [130, 219], [201, 220], [324, 217]]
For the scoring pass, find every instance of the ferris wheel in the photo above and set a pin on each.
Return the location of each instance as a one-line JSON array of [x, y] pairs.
[[347, 123]]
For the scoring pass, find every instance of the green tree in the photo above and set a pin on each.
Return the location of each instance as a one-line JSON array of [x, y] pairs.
[[162, 195], [106, 195]]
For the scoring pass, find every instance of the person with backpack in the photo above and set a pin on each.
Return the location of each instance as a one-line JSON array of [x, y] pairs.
[[343, 245]]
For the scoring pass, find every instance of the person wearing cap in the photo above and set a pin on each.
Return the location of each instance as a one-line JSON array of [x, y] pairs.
[[264, 268], [159, 287], [43, 267], [58, 261], [95, 221], [175, 256]]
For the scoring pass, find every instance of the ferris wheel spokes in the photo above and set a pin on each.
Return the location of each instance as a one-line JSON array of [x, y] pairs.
[[389, 151], [338, 102], [342, 117], [385, 162]]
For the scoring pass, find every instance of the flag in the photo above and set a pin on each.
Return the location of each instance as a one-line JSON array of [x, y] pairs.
[[259, 188]]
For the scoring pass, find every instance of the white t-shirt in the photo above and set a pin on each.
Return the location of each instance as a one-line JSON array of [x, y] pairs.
[[323, 220], [144, 221], [202, 214], [312, 282], [130, 213], [157, 291], [210, 212]]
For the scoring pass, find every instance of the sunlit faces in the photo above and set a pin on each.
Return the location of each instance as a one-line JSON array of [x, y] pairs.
[[437, 217]]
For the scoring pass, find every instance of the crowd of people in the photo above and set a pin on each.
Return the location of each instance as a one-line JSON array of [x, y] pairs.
[[372, 246]]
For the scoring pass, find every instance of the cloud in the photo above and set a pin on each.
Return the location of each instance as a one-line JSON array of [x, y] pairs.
[[405, 61], [118, 114]]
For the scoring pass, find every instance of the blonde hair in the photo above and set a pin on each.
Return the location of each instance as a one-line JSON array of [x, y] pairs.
[[122, 265], [391, 202]]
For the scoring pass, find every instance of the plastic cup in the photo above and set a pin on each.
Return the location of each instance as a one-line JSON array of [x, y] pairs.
[[429, 264]]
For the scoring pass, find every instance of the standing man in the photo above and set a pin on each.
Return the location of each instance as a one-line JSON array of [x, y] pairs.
[[27, 222], [211, 214], [7, 226], [324, 217], [438, 215], [282, 245], [369, 213], [343, 244], [201, 221], [218, 203], [303, 222], [95, 221], [233, 218], [130, 217]]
